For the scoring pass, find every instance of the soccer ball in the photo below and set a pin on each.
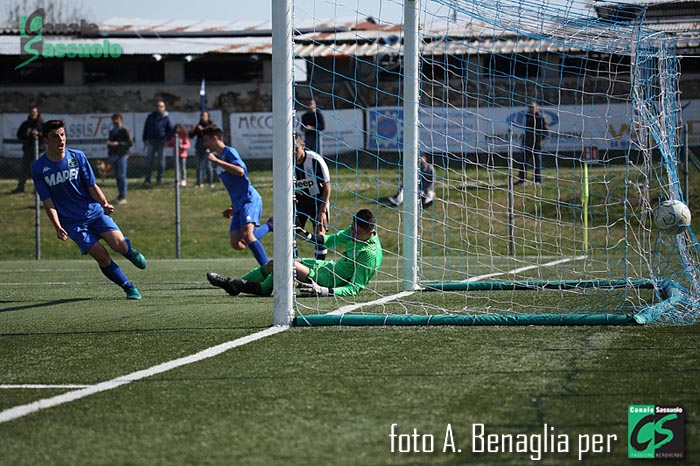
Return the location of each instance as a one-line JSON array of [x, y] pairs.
[[672, 217]]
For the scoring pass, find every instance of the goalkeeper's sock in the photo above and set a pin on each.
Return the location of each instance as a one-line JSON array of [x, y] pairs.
[[258, 275], [258, 250], [115, 274], [266, 286], [128, 245]]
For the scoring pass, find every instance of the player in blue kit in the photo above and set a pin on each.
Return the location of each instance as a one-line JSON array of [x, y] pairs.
[[77, 207], [246, 203]]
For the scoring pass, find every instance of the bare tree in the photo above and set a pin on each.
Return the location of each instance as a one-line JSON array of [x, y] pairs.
[[55, 11]]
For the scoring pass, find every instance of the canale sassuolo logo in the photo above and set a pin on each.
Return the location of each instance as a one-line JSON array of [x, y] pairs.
[[33, 44]]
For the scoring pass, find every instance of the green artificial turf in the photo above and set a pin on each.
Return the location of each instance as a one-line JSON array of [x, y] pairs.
[[305, 396], [316, 396]]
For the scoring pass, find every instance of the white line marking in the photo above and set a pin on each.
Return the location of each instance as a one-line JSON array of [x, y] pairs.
[[23, 410], [352, 307], [523, 269], [38, 386], [403, 294]]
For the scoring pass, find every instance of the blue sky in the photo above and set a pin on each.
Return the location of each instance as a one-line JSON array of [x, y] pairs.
[[389, 11], [244, 10]]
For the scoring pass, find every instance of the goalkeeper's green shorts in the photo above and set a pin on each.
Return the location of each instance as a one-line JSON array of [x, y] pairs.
[[320, 271]]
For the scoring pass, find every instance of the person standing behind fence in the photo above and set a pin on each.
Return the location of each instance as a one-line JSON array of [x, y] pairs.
[[536, 127], [119, 142], [156, 131], [312, 123], [181, 151], [203, 163], [28, 134]]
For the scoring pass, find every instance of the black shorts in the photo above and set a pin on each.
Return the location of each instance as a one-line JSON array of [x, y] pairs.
[[307, 208]]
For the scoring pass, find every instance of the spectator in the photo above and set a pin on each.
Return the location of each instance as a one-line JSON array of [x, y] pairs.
[[203, 163], [119, 142], [536, 127], [157, 129], [28, 134], [312, 123], [181, 151]]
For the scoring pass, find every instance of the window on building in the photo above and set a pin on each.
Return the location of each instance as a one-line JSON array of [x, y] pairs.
[[124, 70], [690, 65], [574, 65], [225, 67], [513, 64], [40, 71]]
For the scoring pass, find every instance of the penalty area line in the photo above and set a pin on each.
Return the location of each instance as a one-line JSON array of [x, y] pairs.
[[352, 307], [29, 408], [523, 269], [403, 294]]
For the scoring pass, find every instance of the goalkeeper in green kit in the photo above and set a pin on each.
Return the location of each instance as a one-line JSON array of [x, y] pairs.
[[346, 277]]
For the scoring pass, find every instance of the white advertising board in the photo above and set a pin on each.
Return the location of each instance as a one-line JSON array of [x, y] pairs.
[[467, 130], [88, 131], [251, 133]]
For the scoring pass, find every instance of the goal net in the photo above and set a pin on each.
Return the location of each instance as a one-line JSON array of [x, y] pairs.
[[513, 153]]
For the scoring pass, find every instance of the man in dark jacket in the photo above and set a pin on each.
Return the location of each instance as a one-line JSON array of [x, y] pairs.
[[203, 163], [28, 134], [312, 123], [536, 128], [118, 144], [156, 131]]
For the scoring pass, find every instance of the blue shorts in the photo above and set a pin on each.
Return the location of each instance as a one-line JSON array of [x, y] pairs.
[[249, 212], [85, 235]]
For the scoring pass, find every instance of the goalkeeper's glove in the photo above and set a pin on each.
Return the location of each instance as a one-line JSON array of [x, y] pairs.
[[313, 289], [314, 238]]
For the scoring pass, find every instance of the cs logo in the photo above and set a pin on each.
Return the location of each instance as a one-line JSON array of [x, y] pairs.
[[655, 431]]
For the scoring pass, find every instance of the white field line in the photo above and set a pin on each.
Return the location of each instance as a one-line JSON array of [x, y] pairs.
[[523, 269], [386, 299], [352, 307], [29, 408], [23, 410], [39, 386]]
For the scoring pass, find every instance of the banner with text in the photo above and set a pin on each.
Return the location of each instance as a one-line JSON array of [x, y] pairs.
[[88, 131], [251, 133], [467, 130]]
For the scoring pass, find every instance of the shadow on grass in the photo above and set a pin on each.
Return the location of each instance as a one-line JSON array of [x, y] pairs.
[[44, 304], [139, 331]]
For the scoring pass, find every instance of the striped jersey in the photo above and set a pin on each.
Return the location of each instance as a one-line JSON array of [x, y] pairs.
[[311, 176]]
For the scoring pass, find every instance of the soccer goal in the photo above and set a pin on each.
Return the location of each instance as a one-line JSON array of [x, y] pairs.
[[553, 135]]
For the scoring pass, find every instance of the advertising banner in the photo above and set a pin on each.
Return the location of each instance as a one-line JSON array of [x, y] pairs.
[[88, 131]]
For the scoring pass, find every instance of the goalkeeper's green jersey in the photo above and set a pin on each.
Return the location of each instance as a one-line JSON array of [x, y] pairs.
[[358, 264]]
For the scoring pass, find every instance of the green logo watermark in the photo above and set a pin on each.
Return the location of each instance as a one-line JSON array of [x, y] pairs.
[[33, 45], [655, 431]]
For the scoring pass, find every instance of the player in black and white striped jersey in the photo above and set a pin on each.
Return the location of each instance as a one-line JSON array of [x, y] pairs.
[[312, 188]]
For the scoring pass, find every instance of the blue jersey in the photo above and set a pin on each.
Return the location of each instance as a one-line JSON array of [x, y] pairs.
[[66, 182], [239, 188]]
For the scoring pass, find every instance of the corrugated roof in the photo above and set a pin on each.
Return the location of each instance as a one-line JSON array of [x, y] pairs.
[[10, 45], [340, 37]]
